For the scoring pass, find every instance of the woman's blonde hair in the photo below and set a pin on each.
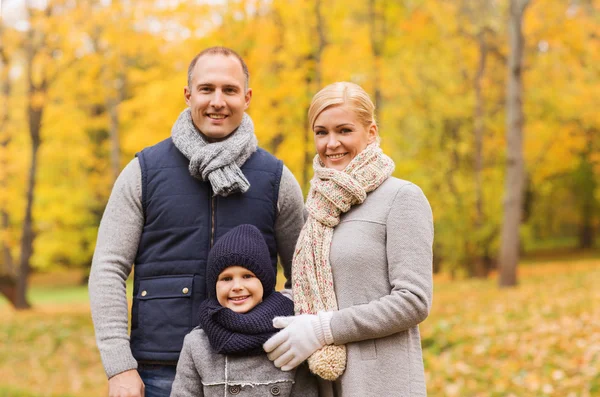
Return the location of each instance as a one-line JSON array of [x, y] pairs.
[[343, 93]]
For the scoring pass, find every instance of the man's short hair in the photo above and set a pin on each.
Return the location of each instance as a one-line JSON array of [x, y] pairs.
[[228, 52]]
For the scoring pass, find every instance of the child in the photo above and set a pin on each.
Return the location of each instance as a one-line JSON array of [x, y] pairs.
[[224, 355]]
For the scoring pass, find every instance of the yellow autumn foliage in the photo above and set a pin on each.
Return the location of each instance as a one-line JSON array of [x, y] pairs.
[[421, 56]]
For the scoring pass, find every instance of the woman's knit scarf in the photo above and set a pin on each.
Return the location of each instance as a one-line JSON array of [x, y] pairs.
[[332, 193], [217, 162], [242, 333]]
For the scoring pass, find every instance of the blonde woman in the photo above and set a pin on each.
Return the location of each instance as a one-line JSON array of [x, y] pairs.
[[362, 269]]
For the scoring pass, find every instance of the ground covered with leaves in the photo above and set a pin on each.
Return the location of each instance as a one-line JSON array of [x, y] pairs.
[[539, 339]]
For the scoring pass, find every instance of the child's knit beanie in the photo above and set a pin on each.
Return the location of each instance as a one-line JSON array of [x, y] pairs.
[[245, 246]]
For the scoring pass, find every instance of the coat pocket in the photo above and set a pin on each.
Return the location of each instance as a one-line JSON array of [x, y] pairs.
[[165, 311], [367, 347]]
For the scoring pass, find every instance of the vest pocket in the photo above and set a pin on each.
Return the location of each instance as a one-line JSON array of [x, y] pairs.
[[164, 312]]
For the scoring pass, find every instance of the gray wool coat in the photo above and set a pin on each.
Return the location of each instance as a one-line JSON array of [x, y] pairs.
[[381, 259], [203, 373]]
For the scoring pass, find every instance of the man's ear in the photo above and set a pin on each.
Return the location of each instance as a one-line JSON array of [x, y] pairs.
[[187, 94], [372, 133], [248, 97]]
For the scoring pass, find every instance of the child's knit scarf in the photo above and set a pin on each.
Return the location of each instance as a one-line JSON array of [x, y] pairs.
[[332, 193], [242, 333]]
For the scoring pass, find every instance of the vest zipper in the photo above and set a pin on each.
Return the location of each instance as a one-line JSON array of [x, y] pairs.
[[212, 220]]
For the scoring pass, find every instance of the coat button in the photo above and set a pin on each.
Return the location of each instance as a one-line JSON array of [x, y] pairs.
[[144, 293], [275, 390], [185, 290], [235, 389]]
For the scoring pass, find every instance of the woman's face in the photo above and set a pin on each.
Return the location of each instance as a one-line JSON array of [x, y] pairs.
[[340, 136]]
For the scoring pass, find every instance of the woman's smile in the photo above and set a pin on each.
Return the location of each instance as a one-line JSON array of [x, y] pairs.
[[336, 156]]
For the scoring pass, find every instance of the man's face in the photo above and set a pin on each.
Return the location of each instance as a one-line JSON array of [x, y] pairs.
[[217, 97]]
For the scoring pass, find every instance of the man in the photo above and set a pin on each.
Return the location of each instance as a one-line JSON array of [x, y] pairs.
[[167, 208]]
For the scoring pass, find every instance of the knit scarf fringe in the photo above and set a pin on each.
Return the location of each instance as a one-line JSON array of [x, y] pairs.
[[242, 333], [217, 162], [332, 193]]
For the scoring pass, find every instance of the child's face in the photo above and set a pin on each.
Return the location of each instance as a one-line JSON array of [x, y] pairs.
[[239, 289]]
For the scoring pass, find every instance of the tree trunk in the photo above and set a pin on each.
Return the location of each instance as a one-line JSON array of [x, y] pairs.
[[35, 117], [276, 68], [586, 229], [7, 264], [309, 151], [585, 185], [35, 113], [36, 95], [515, 171], [8, 288], [481, 270]]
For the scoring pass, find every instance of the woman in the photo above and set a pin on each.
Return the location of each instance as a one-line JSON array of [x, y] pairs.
[[362, 270]]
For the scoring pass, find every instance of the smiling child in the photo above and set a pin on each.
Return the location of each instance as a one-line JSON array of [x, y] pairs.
[[224, 355]]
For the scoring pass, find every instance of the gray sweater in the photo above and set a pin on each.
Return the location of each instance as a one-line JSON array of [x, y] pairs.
[[203, 373], [381, 260], [118, 238]]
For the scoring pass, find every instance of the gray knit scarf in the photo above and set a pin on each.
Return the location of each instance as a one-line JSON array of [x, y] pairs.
[[217, 162]]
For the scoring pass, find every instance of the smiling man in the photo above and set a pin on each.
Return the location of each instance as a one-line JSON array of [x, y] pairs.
[[167, 209]]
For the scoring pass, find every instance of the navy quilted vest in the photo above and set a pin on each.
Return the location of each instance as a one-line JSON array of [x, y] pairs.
[[182, 222]]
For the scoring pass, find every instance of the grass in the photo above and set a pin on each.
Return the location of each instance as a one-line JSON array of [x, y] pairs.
[[11, 392], [58, 288], [539, 339], [50, 351]]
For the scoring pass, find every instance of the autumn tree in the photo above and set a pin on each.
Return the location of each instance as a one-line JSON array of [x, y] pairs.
[[515, 168], [478, 26], [561, 147], [436, 70], [46, 57]]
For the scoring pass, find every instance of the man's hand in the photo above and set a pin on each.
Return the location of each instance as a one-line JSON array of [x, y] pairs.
[[126, 384], [301, 336]]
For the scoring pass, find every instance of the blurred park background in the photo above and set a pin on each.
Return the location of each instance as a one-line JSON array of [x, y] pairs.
[[491, 106]]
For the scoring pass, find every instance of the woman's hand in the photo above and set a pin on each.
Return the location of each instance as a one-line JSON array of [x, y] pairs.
[[300, 337]]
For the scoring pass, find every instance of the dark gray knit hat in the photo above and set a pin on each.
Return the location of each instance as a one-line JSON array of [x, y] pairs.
[[245, 246]]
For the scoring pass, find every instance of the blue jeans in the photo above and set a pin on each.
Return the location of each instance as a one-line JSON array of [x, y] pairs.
[[157, 379]]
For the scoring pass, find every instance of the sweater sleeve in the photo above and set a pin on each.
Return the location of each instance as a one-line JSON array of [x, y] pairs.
[[289, 222], [187, 381], [409, 240], [118, 238]]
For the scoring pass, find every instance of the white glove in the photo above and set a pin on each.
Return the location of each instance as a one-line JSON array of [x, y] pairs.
[[301, 336]]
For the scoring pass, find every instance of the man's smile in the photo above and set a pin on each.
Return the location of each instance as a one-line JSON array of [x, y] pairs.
[[216, 116]]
